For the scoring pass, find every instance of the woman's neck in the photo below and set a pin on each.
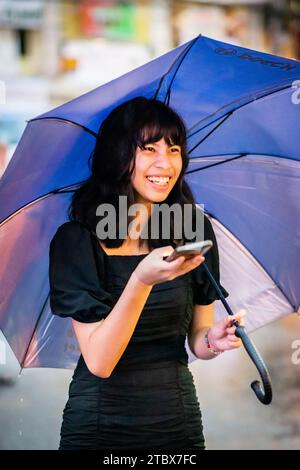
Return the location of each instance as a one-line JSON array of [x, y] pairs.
[[132, 244], [128, 247]]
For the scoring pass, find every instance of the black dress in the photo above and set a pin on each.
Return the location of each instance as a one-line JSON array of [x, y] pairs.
[[149, 401]]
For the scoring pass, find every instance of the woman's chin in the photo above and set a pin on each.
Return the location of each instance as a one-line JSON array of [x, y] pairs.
[[157, 195], [157, 198]]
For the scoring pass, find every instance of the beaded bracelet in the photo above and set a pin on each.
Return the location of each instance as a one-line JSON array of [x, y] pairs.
[[216, 353]]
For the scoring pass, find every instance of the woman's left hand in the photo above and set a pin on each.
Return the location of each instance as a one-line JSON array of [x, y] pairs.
[[221, 335]]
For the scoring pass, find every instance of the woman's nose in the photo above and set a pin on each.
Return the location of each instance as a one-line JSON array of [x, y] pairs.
[[162, 159]]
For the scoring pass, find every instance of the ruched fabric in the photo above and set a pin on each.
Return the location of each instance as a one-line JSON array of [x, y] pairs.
[[149, 401], [143, 409]]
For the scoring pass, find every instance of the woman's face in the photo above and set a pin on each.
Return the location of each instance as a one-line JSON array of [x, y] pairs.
[[157, 168]]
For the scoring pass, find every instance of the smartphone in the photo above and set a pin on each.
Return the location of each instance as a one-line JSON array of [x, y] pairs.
[[189, 250]]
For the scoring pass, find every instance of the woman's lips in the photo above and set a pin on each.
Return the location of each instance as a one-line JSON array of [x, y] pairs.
[[159, 186]]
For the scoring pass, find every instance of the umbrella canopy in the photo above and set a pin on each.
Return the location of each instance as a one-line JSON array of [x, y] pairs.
[[242, 114]]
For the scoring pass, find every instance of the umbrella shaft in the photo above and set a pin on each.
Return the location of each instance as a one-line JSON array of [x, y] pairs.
[[214, 283]]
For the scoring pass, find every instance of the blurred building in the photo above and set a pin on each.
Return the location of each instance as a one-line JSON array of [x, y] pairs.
[[269, 26], [34, 34]]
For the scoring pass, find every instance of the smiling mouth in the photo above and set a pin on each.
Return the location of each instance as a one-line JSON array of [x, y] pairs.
[[159, 181]]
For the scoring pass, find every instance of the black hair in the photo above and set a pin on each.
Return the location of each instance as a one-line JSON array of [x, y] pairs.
[[136, 122]]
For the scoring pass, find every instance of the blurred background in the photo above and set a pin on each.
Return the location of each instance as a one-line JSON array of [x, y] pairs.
[[51, 52]]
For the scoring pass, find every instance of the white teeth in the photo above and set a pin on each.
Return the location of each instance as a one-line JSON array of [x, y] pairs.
[[159, 179]]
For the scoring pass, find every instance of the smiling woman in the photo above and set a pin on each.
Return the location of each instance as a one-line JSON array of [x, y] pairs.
[[131, 310], [160, 164], [140, 141]]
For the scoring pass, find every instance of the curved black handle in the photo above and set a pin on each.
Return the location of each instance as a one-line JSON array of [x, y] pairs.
[[264, 395]]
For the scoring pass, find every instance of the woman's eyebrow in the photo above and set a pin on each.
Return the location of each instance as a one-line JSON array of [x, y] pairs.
[[154, 144]]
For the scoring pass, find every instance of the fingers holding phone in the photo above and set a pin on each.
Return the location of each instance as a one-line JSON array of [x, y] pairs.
[[190, 254], [187, 263], [190, 250], [154, 269]]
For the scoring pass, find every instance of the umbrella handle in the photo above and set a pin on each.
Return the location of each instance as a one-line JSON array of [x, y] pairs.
[[264, 395]]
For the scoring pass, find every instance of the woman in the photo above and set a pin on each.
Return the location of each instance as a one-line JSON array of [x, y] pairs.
[[131, 310]]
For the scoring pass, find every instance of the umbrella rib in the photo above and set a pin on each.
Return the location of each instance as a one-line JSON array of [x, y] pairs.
[[251, 98], [213, 130], [209, 123], [255, 258], [245, 154], [44, 196], [217, 163], [69, 121], [33, 332], [180, 56], [168, 93]]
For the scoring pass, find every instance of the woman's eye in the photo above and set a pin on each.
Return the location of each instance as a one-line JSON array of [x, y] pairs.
[[172, 150]]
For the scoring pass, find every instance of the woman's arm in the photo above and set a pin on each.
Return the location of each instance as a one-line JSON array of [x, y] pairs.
[[203, 318], [221, 334], [103, 343]]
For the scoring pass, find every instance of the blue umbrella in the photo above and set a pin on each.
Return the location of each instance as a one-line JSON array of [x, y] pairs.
[[242, 114]]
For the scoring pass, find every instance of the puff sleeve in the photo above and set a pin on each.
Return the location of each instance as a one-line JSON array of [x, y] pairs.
[[204, 292], [75, 287]]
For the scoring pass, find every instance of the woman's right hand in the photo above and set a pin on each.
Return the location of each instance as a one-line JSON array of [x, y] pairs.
[[153, 269]]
